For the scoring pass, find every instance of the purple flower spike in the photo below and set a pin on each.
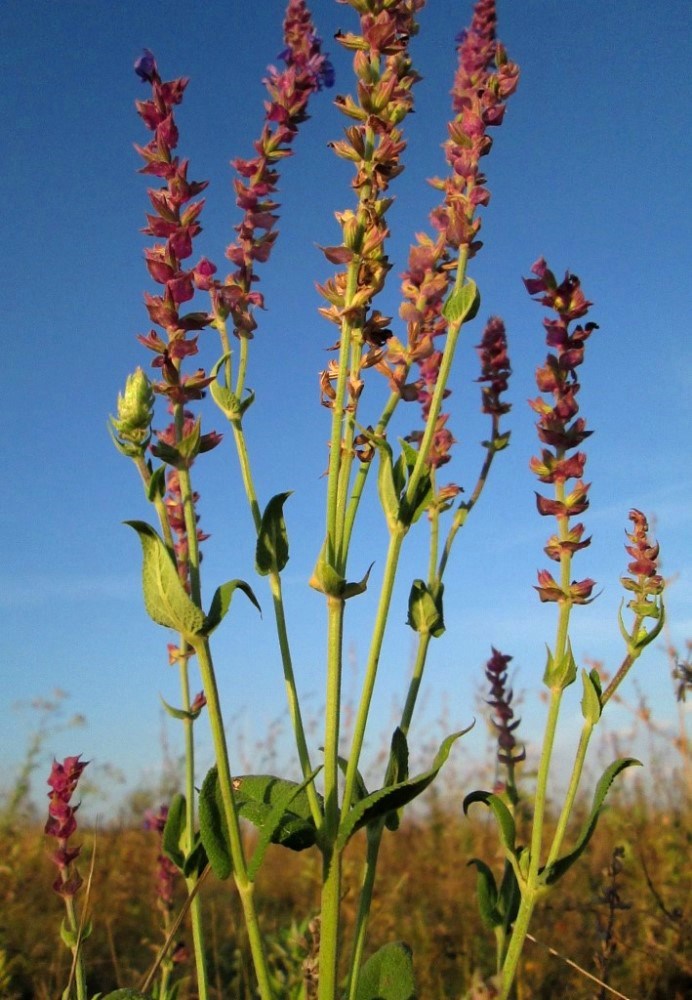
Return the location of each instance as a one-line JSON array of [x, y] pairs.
[[145, 67]]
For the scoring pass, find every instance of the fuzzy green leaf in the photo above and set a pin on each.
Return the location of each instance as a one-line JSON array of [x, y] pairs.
[[283, 795], [486, 894], [398, 763], [197, 859], [558, 869], [387, 487], [165, 598], [560, 673], [392, 797], [425, 610], [173, 831], [591, 699], [505, 820], [271, 554], [226, 400], [262, 800], [156, 487], [462, 304], [212, 827], [388, 974], [221, 602]]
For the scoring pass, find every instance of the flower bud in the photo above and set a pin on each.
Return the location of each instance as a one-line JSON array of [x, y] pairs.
[[131, 429]]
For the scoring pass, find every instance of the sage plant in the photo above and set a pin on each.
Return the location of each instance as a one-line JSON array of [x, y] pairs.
[[379, 363], [531, 871]]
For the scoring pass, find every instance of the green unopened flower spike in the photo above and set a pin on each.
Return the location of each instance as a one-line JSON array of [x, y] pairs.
[[131, 429]]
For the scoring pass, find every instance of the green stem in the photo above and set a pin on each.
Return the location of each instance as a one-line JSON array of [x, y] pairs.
[[240, 872], [375, 833], [453, 331], [160, 506], [530, 888], [374, 839], [571, 795], [331, 863], [465, 508], [281, 628], [190, 823], [391, 564], [77, 958], [363, 471]]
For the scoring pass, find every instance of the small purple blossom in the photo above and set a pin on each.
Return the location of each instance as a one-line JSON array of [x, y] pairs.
[[145, 67]]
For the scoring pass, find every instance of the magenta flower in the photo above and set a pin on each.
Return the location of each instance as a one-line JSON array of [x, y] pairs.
[[373, 142], [306, 71], [645, 583], [62, 823], [495, 367], [484, 80], [560, 428], [166, 872], [501, 702]]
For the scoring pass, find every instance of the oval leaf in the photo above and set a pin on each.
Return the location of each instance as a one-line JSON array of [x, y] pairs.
[[486, 894], [165, 598], [212, 827], [388, 974], [271, 554], [173, 831], [462, 304]]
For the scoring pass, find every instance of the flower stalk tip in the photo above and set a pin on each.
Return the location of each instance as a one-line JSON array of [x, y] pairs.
[[62, 823]]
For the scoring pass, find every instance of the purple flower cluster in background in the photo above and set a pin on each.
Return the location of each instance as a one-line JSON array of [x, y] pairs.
[[62, 822]]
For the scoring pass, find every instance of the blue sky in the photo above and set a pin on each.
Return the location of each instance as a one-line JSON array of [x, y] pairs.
[[590, 169]]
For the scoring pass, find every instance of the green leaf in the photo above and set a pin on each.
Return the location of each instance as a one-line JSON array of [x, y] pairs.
[[505, 820], [591, 699], [359, 788], [221, 602], [226, 401], [165, 599], [387, 488], [262, 800], [398, 766], [197, 859], [388, 974], [179, 713], [557, 870], [326, 579], [560, 673], [257, 794], [275, 819], [411, 510], [509, 896], [463, 303], [156, 487], [486, 895], [424, 610], [174, 830], [353, 589], [392, 797], [212, 827], [271, 554]]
